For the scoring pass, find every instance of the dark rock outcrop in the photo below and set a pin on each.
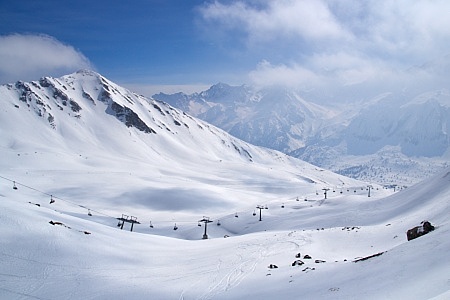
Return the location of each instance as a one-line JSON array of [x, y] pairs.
[[420, 230], [297, 263]]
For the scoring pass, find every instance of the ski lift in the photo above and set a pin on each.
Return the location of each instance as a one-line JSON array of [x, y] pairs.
[[266, 207], [175, 227], [236, 215], [118, 224], [254, 213], [89, 213], [51, 199], [14, 185], [218, 222], [317, 193], [151, 225], [199, 225], [297, 199], [282, 205], [341, 191]]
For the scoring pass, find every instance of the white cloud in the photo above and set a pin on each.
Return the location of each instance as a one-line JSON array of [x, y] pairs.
[[317, 43], [295, 75], [306, 19], [29, 57]]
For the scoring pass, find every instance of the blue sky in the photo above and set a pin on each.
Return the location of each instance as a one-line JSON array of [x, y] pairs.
[[170, 45], [137, 41]]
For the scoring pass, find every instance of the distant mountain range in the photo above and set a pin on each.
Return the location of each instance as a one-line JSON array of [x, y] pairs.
[[389, 137]]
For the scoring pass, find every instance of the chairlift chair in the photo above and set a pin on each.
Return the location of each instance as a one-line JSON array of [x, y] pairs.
[[254, 213], [14, 185], [175, 227], [151, 225], [51, 199], [218, 222], [89, 213], [236, 215]]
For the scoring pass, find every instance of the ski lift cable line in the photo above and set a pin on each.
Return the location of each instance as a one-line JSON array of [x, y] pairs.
[[29, 187], [56, 198], [83, 206], [244, 210]]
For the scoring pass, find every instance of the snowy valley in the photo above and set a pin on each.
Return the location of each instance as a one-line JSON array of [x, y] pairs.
[[81, 155]]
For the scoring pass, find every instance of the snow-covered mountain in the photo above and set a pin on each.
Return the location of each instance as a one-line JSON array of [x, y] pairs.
[[87, 109], [275, 118], [340, 138], [79, 152], [391, 139], [419, 127]]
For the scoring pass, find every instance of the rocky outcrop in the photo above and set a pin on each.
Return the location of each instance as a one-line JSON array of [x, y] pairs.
[[130, 118]]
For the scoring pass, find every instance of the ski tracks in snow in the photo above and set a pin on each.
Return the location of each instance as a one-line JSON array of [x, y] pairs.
[[231, 270], [238, 270]]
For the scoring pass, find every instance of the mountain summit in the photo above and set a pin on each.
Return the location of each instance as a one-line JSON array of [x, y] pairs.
[[278, 118], [85, 108]]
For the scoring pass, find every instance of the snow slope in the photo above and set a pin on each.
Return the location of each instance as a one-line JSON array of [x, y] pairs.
[[45, 261], [97, 164]]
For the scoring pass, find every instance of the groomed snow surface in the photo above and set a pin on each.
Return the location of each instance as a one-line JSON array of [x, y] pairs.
[[94, 164]]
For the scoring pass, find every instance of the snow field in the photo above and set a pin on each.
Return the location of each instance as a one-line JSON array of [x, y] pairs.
[[51, 261]]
